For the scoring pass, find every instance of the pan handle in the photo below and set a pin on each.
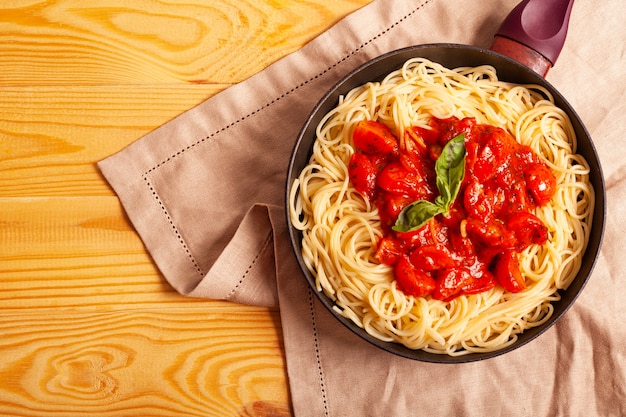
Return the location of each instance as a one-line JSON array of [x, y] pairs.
[[534, 33]]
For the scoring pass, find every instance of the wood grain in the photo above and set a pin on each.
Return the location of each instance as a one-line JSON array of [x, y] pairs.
[[148, 41], [75, 253], [193, 361], [89, 326], [52, 136]]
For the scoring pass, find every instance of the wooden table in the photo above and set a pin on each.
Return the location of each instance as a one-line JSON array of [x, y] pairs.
[[88, 326]]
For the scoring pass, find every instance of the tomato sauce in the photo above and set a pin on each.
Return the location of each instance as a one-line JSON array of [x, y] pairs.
[[477, 245]]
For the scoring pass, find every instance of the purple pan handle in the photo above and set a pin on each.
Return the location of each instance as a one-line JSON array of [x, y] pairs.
[[534, 33]]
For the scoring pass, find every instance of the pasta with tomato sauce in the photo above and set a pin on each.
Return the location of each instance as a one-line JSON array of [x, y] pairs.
[[394, 250]]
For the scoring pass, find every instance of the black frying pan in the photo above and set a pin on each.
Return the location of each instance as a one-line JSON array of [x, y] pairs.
[[514, 39]]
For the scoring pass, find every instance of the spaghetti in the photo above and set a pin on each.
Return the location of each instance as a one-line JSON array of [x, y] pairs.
[[341, 228]]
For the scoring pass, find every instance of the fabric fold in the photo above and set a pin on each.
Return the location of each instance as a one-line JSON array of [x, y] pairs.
[[251, 283]]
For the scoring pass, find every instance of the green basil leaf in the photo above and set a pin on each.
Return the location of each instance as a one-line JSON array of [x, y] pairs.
[[450, 169], [416, 215]]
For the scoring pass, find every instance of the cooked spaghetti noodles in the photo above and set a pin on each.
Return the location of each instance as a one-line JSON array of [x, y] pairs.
[[341, 228]]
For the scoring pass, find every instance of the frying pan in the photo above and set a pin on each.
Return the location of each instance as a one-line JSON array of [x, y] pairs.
[[525, 47]]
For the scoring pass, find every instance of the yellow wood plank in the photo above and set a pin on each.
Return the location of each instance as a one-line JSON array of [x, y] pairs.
[[198, 361], [51, 137], [116, 41], [76, 254]]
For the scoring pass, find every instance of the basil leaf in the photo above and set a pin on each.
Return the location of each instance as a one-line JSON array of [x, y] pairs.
[[416, 215], [450, 169]]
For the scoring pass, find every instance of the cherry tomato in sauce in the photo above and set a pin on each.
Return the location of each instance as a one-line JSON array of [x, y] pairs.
[[482, 202], [462, 246], [492, 233], [451, 282], [362, 174], [541, 183], [374, 138], [481, 282], [413, 281], [477, 244], [527, 229], [395, 178], [507, 272], [388, 252], [432, 257], [442, 130], [390, 207]]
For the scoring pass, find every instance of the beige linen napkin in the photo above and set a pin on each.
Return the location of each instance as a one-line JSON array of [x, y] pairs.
[[205, 193]]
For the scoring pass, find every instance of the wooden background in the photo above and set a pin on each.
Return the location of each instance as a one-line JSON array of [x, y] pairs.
[[88, 326]]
